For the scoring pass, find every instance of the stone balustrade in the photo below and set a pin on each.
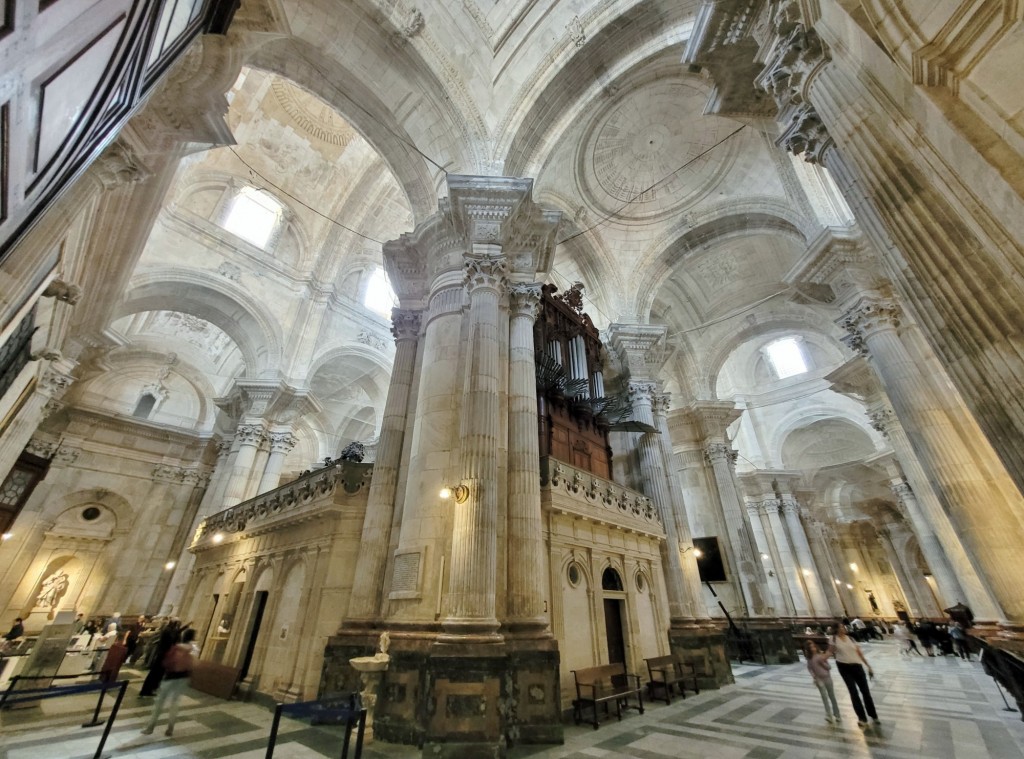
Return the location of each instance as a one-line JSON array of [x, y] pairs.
[[303, 498], [579, 492]]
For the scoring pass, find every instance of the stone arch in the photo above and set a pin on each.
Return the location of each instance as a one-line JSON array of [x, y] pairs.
[[852, 432], [256, 333], [124, 514], [336, 83], [641, 41], [727, 221]]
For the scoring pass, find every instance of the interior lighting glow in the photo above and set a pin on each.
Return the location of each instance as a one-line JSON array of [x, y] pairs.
[[218, 537], [170, 565], [787, 358]]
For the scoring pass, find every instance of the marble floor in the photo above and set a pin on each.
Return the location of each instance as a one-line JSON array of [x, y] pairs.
[[941, 708]]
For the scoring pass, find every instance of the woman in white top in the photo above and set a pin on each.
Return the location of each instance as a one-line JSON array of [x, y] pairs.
[[849, 660]]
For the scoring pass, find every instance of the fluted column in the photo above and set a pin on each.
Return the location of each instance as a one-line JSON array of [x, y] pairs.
[[527, 560], [249, 437], [684, 533], [720, 456], [993, 534], [946, 581], [915, 607], [281, 444], [682, 584], [367, 588], [763, 552], [788, 569], [472, 584], [808, 569], [821, 546]]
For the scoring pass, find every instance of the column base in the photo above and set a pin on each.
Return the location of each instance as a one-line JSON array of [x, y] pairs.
[[771, 642], [456, 697], [702, 643]]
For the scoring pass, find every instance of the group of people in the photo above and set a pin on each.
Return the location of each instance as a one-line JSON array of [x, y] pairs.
[[949, 639], [855, 670]]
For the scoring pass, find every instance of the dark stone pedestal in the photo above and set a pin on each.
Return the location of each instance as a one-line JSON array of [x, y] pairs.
[[703, 644], [772, 640], [458, 700]]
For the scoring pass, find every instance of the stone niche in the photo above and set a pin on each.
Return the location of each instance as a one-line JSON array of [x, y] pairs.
[[460, 700]]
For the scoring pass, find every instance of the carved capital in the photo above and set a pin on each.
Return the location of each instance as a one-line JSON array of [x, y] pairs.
[[792, 507], [281, 442], [805, 134], [883, 420], [770, 507], [715, 452], [250, 434], [524, 300], [867, 317], [119, 165], [486, 273], [902, 490], [405, 323], [660, 404], [642, 392]]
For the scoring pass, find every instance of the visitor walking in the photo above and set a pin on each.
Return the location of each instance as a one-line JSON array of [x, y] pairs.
[[168, 637], [849, 660], [959, 636], [177, 665], [905, 639], [818, 666]]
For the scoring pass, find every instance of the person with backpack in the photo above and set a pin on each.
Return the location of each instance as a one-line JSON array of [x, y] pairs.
[[177, 666]]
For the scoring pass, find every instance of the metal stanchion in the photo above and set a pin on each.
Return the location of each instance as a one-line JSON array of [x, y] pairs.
[[273, 731], [110, 720], [96, 714]]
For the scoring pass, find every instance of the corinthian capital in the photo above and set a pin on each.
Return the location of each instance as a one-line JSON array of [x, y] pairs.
[[714, 452], [883, 420], [486, 273], [805, 134], [524, 300], [405, 323], [281, 442], [251, 434], [642, 392], [868, 316], [660, 404]]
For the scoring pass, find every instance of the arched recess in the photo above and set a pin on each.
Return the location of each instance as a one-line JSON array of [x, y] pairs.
[[794, 321], [644, 38], [824, 442], [337, 84], [256, 333], [283, 633], [726, 222]]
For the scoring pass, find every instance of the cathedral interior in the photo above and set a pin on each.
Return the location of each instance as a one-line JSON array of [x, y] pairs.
[[537, 334]]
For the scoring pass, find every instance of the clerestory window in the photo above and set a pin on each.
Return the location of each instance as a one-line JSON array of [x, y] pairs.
[[253, 216], [786, 357], [379, 297]]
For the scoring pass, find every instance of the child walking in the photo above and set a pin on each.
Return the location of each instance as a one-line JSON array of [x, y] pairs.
[[818, 666]]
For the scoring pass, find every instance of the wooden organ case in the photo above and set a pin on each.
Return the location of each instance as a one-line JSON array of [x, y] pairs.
[[570, 347]]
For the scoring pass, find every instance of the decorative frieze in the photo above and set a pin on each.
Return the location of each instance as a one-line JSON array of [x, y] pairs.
[[613, 501]]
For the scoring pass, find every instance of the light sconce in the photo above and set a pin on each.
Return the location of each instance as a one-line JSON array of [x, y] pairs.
[[170, 565], [7, 536], [839, 582], [853, 566], [697, 552], [764, 556], [218, 537], [459, 492], [807, 573], [849, 587], [771, 573]]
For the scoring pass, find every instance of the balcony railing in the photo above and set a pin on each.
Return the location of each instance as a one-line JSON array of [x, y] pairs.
[[299, 499], [597, 498]]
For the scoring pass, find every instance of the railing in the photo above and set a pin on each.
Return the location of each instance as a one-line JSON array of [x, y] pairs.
[[588, 491], [287, 502], [1006, 668]]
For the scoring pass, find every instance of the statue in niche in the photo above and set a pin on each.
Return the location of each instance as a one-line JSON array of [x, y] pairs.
[[52, 590]]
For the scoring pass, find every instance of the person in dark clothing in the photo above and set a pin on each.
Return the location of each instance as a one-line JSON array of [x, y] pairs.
[[111, 666], [168, 638], [16, 631]]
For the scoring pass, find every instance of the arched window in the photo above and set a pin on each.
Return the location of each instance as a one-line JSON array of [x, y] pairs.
[[379, 297], [254, 216], [610, 580], [786, 357], [145, 406]]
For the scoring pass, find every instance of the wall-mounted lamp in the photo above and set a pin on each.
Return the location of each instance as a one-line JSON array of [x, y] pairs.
[[7, 536], [771, 573], [807, 573], [764, 556], [170, 565], [218, 537], [853, 566], [697, 552], [460, 493], [849, 587], [839, 582]]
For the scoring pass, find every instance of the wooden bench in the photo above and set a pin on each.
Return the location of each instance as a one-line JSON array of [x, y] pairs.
[[609, 683], [666, 672]]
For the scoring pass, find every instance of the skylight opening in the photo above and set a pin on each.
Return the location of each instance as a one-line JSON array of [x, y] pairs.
[[786, 357], [253, 216], [379, 297]]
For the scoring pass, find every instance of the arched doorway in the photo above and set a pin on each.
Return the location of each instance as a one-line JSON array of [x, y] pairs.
[[614, 603]]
